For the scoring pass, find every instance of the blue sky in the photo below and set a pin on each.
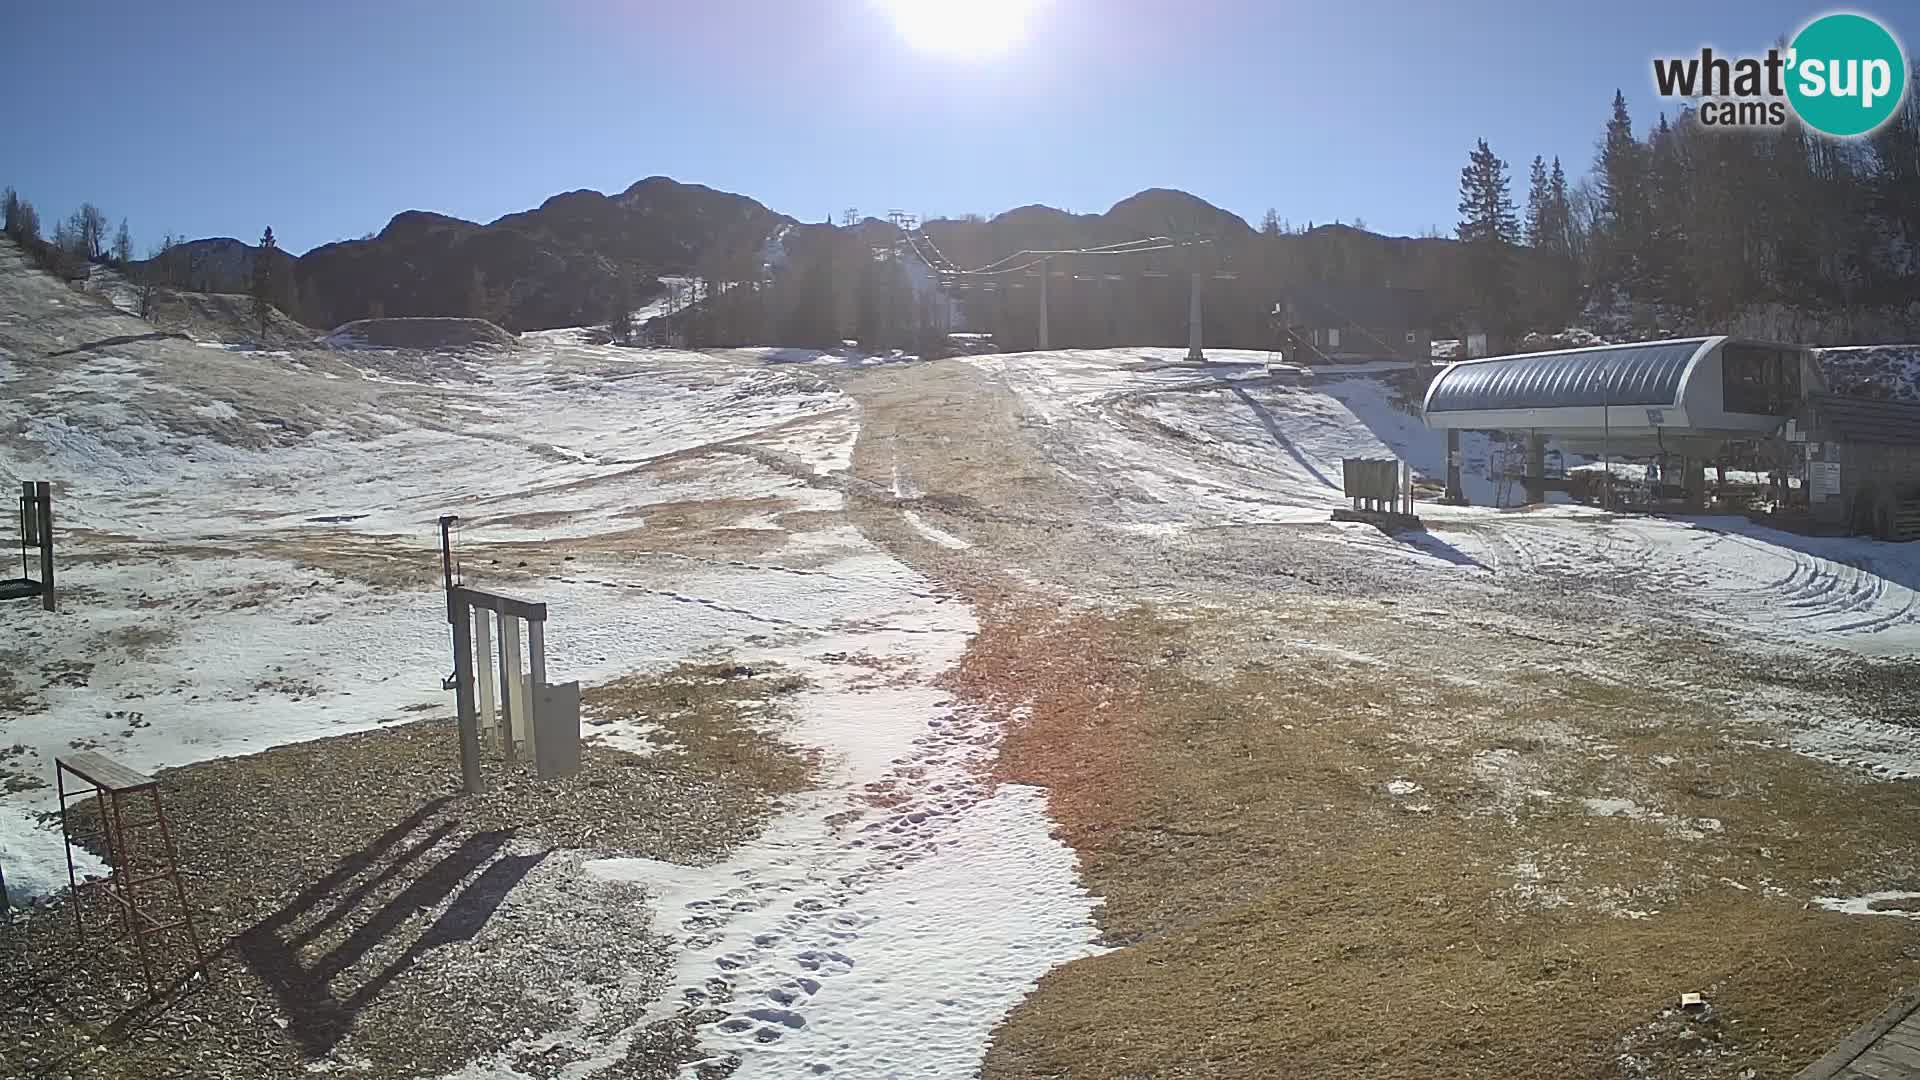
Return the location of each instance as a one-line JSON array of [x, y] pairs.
[[217, 117]]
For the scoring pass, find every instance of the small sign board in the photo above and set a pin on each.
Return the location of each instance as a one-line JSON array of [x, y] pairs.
[[1656, 417], [1823, 480]]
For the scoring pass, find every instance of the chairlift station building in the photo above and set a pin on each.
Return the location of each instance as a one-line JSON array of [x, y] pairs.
[[1696, 400]]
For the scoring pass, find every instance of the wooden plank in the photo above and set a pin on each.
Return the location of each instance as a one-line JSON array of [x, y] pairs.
[[504, 605], [1907, 1035], [1832, 1064], [1882, 1066], [103, 772], [1898, 1046]]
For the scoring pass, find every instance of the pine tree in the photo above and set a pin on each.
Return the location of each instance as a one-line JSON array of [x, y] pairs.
[[1538, 198], [1669, 212], [123, 245], [1623, 210], [263, 280], [1489, 229], [1558, 220], [1270, 224], [1558, 247]]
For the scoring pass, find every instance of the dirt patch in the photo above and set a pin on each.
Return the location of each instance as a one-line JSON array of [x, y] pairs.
[[15, 698], [139, 641], [421, 333], [361, 910], [1313, 868]]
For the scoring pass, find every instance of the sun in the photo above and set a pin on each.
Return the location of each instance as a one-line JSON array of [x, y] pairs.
[[964, 28]]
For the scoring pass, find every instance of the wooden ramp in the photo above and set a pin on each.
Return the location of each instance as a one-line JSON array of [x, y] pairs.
[[1884, 1048]]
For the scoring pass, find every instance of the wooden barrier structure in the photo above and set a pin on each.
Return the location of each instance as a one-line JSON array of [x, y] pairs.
[[535, 721], [36, 531], [1377, 485], [1381, 490]]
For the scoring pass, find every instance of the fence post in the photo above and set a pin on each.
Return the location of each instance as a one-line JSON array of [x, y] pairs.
[[483, 674], [463, 699], [537, 676], [43, 496]]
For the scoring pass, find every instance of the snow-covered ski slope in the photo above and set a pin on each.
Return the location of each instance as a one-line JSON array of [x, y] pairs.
[[1180, 448], [248, 559], [248, 553]]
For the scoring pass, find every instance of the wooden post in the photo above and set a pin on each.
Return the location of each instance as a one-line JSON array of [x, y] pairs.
[[513, 686], [509, 663], [537, 674], [483, 674], [463, 700], [43, 497]]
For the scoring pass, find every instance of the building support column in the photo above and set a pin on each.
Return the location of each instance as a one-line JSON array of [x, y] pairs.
[[1536, 467], [1455, 495], [1194, 354], [1043, 307]]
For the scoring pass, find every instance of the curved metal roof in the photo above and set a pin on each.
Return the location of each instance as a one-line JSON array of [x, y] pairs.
[[1641, 374]]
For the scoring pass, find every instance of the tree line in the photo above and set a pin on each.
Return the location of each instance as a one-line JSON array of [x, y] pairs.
[[1689, 227], [77, 239]]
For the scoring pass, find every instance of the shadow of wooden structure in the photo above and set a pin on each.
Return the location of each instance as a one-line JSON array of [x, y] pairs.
[[143, 879], [277, 949], [36, 531]]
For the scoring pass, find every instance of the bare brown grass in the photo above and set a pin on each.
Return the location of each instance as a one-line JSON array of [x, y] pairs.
[[1281, 913]]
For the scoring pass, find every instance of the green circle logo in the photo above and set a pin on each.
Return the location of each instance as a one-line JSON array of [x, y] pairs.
[[1846, 75]]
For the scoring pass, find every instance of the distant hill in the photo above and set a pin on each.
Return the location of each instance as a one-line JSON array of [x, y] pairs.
[[558, 264], [550, 266]]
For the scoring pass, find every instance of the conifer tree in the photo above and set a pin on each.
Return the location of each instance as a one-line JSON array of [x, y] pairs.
[[1622, 215], [263, 280], [1489, 228]]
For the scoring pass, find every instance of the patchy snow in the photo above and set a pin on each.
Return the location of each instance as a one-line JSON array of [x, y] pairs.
[[1871, 904], [861, 935], [934, 533], [249, 561], [1683, 828], [1223, 442]]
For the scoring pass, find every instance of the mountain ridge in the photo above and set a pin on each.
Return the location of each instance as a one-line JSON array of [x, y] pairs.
[[559, 263]]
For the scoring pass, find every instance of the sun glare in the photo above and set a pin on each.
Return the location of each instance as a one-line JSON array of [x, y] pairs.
[[966, 28]]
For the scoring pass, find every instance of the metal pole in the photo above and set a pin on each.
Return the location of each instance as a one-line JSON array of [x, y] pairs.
[[43, 495], [1606, 444], [1043, 306], [463, 700], [1193, 322], [447, 522]]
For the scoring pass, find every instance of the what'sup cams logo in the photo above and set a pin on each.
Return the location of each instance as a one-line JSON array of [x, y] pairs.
[[1843, 75]]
